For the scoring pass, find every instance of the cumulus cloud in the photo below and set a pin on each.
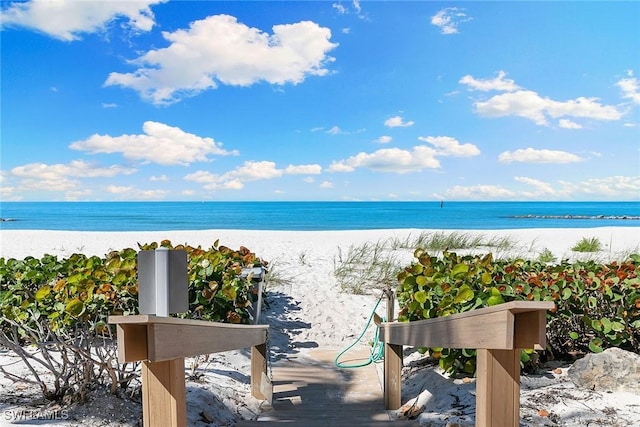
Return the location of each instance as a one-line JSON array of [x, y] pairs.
[[220, 50], [568, 124], [630, 88], [540, 186], [397, 121], [247, 172], [390, 160], [62, 177], [160, 143], [530, 105], [498, 83], [449, 18], [326, 184], [448, 146], [67, 19], [531, 155], [303, 170]]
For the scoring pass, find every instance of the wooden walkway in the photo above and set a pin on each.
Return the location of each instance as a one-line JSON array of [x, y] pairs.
[[310, 391]]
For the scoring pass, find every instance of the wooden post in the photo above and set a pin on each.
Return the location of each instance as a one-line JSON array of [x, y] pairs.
[[498, 388], [164, 400], [497, 332], [392, 376], [258, 368]]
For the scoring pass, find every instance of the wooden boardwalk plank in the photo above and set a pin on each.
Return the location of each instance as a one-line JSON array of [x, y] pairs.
[[310, 390]]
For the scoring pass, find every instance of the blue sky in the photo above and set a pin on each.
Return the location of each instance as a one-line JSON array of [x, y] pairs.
[[326, 100]]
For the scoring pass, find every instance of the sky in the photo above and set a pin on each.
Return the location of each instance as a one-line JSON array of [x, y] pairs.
[[319, 100]]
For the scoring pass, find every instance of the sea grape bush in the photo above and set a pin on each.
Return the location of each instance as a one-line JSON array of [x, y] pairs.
[[62, 306], [597, 305]]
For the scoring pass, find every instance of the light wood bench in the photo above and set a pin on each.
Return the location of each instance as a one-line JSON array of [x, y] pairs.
[[498, 333], [162, 343]]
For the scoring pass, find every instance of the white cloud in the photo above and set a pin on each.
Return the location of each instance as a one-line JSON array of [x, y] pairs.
[[249, 171], [343, 10], [109, 105], [384, 139], [607, 188], [541, 186], [448, 19], [334, 131], [132, 193], [531, 155], [339, 8], [220, 50], [397, 121], [159, 178], [118, 189], [568, 124], [530, 105], [255, 171], [303, 170], [67, 19], [630, 89], [62, 177], [479, 192], [390, 160], [160, 143], [613, 187], [448, 146], [499, 83], [326, 184]]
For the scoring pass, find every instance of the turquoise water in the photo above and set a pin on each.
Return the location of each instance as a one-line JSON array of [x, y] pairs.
[[148, 216]]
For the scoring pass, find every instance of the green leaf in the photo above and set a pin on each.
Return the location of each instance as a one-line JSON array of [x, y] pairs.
[[465, 294], [574, 335], [459, 270], [421, 280], [43, 292], [229, 292], [595, 345], [486, 278], [617, 326], [420, 296], [75, 307]]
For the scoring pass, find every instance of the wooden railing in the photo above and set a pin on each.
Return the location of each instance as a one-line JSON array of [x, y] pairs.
[[498, 333], [162, 343]]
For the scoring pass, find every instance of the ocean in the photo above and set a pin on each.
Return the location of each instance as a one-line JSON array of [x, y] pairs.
[[151, 216]]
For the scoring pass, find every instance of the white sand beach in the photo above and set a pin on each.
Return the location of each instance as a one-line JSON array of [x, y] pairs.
[[318, 315]]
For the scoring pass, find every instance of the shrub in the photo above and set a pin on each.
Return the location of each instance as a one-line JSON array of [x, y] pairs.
[[591, 244], [597, 305], [55, 312]]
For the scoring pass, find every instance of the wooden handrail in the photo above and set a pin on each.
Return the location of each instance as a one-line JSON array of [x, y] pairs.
[[497, 332], [162, 343]]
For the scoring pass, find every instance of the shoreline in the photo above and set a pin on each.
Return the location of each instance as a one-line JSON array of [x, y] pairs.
[[269, 243]]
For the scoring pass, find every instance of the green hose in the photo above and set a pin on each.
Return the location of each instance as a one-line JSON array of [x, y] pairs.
[[377, 349]]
